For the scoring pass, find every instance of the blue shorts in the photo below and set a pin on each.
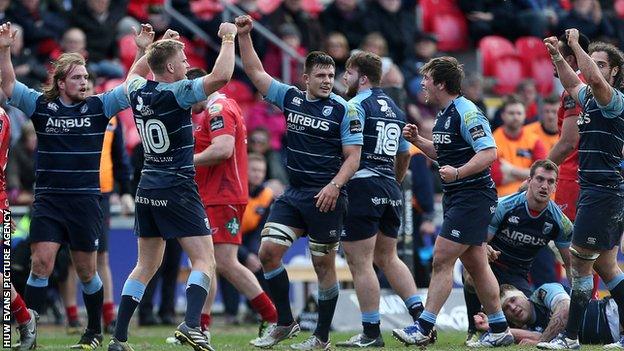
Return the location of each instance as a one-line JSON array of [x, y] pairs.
[[296, 208], [375, 204], [518, 279], [75, 219], [467, 214], [599, 219], [170, 213], [601, 323]]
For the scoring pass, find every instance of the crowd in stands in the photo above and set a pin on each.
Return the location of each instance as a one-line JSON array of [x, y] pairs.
[[405, 33]]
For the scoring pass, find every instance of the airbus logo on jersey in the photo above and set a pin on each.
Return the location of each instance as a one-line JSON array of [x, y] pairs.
[[441, 138], [295, 120], [69, 122], [521, 238]]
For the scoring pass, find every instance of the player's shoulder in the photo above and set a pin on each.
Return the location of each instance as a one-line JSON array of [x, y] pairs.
[[512, 201], [337, 99], [559, 216], [467, 109], [547, 292]]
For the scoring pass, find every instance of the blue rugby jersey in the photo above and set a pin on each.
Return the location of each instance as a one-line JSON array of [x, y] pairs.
[[316, 131], [544, 299], [519, 236], [460, 131], [69, 138], [162, 113], [383, 133], [601, 130]]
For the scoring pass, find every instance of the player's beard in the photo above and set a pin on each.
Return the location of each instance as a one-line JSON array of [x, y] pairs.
[[352, 89]]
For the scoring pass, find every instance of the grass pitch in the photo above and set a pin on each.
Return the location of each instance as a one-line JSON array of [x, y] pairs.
[[234, 338]]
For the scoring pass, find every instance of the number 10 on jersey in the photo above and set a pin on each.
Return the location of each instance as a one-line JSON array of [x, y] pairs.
[[153, 135]]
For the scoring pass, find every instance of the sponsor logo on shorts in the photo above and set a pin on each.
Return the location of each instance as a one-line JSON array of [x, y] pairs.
[[207, 223], [96, 243], [333, 233], [233, 226], [591, 241], [493, 209], [385, 201], [455, 233], [151, 202]]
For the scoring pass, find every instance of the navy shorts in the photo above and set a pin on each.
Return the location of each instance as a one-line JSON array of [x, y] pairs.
[[518, 279], [601, 323], [105, 204], [467, 214], [599, 219], [296, 208], [170, 213], [75, 219], [375, 204]]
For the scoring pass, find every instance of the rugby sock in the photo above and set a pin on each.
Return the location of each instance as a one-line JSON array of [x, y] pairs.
[[265, 307], [616, 287], [108, 312], [370, 324], [20, 311], [93, 296], [205, 321], [414, 306], [131, 295], [327, 300], [427, 320], [71, 312], [35, 293], [473, 306], [197, 287], [498, 323], [279, 288], [581, 293]]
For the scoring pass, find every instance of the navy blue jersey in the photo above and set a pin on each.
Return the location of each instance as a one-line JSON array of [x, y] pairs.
[[544, 299], [162, 113], [383, 133], [519, 236], [317, 129], [601, 130], [460, 131], [69, 138]]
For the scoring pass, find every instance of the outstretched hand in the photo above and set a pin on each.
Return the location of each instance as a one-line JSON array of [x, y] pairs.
[[572, 35], [7, 35], [244, 24], [226, 28], [145, 37]]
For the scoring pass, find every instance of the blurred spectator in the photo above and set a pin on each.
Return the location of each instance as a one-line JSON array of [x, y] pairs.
[[28, 69], [391, 75], [337, 46], [98, 19], [587, 17], [21, 167], [42, 28], [6, 14], [259, 143], [517, 149], [74, 40], [546, 128], [290, 11], [472, 89], [425, 47], [543, 14], [346, 17], [527, 93], [396, 26], [275, 58], [264, 115]]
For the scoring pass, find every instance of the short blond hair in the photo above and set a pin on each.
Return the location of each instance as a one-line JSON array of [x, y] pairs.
[[158, 53]]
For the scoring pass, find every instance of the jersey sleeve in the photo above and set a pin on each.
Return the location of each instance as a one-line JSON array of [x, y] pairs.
[[615, 107], [188, 92], [475, 129], [549, 294], [565, 228], [582, 94], [24, 98], [277, 92], [570, 107], [135, 83], [114, 101], [499, 214], [222, 120], [352, 124]]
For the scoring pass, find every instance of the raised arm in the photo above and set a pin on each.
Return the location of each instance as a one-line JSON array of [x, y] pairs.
[[7, 35], [139, 67], [224, 65], [567, 141], [570, 81], [600, 87], [251, 62]]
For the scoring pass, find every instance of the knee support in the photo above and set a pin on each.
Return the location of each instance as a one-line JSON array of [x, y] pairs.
[[584, 256], [278, 234], [322, 249]]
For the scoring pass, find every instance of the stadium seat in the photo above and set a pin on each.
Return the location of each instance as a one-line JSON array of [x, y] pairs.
[[206, 9], [531, 49], [109, 85], [542, 73], [313, 7], [268, 6], [240, 92], [507, 70], [452, 31], [127, 50], [430, 9], [491, 48], [618, 6]]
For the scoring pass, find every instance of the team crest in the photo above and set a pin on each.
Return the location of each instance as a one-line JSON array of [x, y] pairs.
[[327, 110], [84, 108], [547, 228], [52, 106], [447, 124]]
